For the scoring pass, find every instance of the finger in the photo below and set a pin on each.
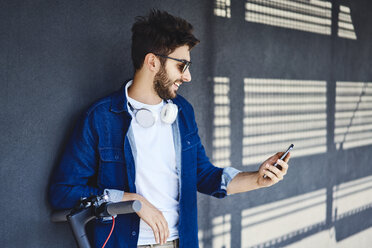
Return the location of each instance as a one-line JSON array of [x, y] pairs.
[[156, 232], [278, 173], [286, 159], [271, 175], [161, 231], [264, 169], [166, 230], [163, 227], [283, 164], [160, 240], [261, 170]]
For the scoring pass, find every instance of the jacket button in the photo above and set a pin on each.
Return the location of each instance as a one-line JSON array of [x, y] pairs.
[[134, 233], [188, 142], [116, 157]]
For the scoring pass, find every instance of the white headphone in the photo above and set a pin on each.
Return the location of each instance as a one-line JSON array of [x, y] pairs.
[[145, 118]]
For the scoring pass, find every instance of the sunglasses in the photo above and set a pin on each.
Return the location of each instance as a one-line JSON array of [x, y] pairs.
[[186, 64]]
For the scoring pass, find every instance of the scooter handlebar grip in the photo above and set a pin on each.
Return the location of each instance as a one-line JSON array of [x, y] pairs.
[[125, 207], [60, 216]]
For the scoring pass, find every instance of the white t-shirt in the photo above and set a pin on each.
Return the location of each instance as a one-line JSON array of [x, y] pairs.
[[156, 174]]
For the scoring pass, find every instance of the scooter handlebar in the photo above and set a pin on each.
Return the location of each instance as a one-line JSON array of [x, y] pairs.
[[110, 209]]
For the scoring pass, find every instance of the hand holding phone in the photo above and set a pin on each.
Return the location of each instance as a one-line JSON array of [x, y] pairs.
[[282, 158]]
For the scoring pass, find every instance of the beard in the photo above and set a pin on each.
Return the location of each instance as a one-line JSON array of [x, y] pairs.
[[163, 85]]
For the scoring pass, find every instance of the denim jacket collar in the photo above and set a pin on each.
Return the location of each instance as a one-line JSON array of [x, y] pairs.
[[119, 101]]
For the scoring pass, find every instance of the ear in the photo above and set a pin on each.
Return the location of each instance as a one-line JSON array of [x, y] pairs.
[[152, 62]]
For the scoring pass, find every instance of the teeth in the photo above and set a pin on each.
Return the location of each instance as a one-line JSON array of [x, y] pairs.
[[177, 84]]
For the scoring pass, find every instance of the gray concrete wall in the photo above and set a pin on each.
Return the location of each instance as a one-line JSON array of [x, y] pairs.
[[59, 57]]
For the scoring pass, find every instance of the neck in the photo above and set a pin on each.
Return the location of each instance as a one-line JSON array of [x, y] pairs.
[[142, 89]]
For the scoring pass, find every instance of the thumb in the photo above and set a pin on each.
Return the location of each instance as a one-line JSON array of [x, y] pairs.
[[286, 159]]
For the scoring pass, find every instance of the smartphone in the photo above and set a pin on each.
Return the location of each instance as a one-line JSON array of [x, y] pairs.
[[282, 158]]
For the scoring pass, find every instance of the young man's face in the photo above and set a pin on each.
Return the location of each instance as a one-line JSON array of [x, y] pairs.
[[170, 77]]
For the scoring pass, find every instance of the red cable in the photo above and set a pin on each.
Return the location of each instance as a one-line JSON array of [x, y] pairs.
[[112, 229]]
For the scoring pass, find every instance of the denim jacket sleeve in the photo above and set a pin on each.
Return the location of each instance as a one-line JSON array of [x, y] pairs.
[[71, 179], [209, 177], [220, 177]]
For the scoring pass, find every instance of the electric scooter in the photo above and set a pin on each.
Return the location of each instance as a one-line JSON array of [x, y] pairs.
[[91, 208]]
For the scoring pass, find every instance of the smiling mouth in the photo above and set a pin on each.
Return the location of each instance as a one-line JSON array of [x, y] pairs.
[[178, 84]]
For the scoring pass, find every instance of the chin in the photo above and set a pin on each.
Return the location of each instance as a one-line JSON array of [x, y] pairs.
[[172, 95]]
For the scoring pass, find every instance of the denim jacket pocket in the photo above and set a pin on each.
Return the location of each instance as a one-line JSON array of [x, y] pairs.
[[190, 140], [111, 169], [111, 154], [189, 154]]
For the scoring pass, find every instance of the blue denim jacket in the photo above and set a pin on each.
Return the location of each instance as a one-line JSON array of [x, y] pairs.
[[99, 156]]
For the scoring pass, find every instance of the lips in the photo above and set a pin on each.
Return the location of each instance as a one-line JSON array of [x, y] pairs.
[[178, 83]]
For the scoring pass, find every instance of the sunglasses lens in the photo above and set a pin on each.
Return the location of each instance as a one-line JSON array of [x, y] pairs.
[[185, 67]]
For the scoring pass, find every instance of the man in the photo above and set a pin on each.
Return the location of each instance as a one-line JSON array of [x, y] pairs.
[[142, 143]]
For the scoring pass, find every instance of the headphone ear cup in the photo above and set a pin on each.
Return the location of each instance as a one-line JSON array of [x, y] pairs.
[[169, 113], [145, 118]]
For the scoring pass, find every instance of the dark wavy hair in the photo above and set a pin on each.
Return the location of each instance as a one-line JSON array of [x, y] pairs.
[[161, 33]]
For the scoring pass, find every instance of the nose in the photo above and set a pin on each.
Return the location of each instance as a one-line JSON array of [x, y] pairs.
[[186, 76]]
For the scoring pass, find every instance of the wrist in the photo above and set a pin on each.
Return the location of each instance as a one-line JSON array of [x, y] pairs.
[[131, 196], [258, 180]]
